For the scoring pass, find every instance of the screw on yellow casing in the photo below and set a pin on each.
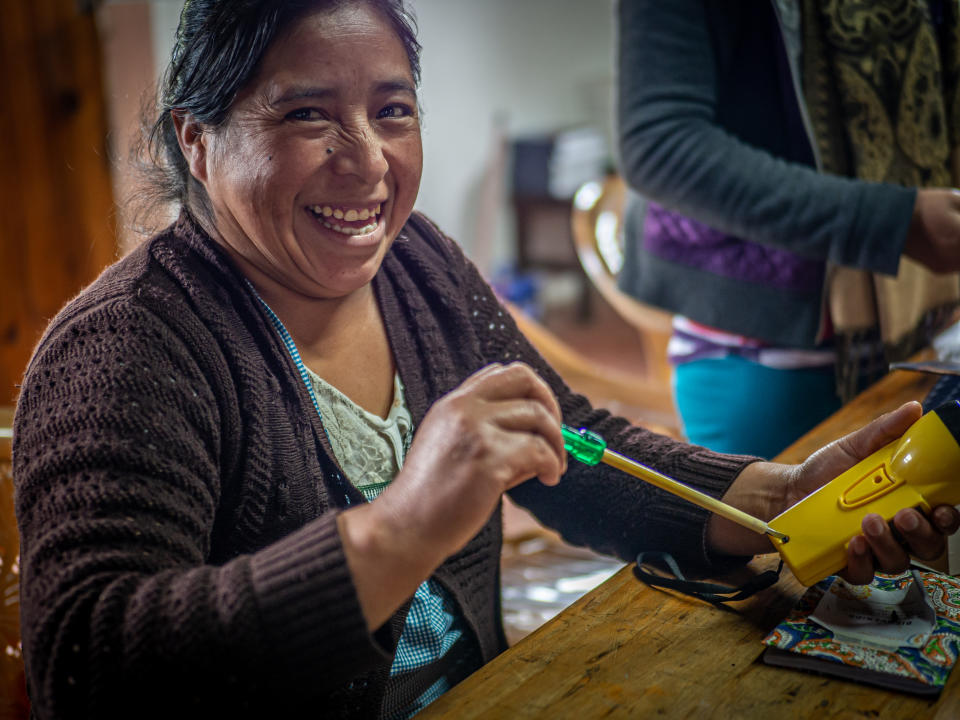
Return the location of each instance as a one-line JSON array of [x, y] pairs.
[[921, 469]]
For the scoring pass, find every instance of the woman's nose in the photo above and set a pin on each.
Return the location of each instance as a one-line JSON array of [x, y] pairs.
[[360, 154]]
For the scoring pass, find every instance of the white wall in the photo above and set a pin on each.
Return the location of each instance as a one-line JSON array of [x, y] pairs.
[[514, 67], [164, 18], [528, 66]]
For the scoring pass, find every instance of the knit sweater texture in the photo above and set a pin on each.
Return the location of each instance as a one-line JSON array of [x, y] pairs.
[[177, 496]]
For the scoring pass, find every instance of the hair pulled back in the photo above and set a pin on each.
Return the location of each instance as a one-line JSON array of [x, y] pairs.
[[219, 46]]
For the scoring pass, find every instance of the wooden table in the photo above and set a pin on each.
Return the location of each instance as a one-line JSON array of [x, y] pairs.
[[625, 650]]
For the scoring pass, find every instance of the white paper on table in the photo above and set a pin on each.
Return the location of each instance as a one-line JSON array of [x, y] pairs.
[[868, 615]]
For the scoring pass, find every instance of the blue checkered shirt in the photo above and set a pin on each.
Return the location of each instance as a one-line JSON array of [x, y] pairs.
[[433, 623]]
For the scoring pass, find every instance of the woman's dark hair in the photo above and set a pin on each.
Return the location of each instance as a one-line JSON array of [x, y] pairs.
[[219, 45]]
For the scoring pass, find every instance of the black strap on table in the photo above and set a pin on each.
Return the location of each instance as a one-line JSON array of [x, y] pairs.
[[714, 593]]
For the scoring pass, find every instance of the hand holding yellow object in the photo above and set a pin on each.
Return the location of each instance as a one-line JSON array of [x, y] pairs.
[[920, 469]]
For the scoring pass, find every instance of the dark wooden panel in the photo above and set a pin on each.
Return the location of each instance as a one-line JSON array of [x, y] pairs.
[[55, 197]]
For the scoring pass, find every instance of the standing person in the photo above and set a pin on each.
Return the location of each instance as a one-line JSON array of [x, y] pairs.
[[259, 462], [780, 145]]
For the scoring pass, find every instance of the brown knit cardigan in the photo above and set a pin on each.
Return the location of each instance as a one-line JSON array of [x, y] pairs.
[[177, 496]]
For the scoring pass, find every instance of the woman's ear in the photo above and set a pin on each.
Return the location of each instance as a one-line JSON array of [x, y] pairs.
[[193, 142]]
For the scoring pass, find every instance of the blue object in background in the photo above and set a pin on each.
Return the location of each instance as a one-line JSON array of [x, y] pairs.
[[519, 288]]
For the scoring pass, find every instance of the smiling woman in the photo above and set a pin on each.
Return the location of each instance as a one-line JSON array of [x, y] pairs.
[[304, 224], [259, 462], [296, 217]]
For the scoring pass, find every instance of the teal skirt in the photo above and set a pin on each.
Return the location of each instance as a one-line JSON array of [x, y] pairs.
[[733, 405]]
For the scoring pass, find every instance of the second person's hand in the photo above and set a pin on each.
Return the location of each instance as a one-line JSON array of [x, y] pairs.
[[934, 236]]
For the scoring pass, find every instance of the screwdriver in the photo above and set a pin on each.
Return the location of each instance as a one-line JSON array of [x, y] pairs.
[[591, 449]]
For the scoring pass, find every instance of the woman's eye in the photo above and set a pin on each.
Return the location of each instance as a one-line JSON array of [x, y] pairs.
[[305, 114], [395, 111]]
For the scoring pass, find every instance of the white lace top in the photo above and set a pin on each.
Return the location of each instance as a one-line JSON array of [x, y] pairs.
[[370, 449]]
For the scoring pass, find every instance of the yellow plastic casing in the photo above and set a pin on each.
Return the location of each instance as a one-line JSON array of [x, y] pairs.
[[921, 469]]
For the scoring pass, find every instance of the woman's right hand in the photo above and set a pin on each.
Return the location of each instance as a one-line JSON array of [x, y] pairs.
[[934, 236], [498, 429]]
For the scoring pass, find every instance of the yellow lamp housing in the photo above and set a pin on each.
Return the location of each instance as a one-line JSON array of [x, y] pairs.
[[921, 469]]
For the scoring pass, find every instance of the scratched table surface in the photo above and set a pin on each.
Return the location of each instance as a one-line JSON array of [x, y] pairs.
[[626, 650]]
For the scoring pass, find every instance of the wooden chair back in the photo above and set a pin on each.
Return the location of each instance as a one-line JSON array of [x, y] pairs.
[[622, 393], [13, 693], [597, 223]]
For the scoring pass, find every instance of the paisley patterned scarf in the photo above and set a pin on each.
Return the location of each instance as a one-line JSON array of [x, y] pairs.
[[881, 85]]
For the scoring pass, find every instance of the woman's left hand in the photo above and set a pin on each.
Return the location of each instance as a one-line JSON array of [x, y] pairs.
[[767, 489]]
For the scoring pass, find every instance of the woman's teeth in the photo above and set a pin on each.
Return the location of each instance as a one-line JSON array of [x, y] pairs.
[[329, 215]]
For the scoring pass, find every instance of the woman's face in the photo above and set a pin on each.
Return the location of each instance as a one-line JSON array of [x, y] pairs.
[[317, 167]]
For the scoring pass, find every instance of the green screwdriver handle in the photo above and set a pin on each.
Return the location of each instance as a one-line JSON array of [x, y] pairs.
[[591, 449], [584, 445]]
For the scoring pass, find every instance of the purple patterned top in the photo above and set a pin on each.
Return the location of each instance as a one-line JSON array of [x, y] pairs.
[[683, 240]]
